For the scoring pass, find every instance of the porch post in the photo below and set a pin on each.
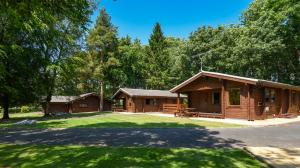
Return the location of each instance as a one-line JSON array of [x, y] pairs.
[[290, 100], [281, 102], [223, 99], [143, 105], [248, 107], [178, 101]]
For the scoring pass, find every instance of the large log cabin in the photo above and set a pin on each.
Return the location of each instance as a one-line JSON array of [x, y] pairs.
[[141, 100], [87, 102], [221, 95]]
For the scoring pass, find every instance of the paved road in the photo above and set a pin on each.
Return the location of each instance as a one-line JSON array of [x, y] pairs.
[[285, 136]]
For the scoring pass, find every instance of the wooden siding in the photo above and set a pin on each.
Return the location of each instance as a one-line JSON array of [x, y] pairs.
[[138, 104], [252, 101], [58, 108], [86, 104], [237, 111], [202, 101]]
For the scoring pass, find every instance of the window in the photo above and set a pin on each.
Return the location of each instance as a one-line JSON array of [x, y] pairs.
[[216, 98], [83, 105], [147, 101], [294, 98], [270, 95], [234, 96], [151, 102]]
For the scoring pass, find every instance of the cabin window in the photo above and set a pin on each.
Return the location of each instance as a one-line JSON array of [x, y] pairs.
[[234, 96], [270, 95], [151, 102], [83, 105], [294, 98], [216, 98]]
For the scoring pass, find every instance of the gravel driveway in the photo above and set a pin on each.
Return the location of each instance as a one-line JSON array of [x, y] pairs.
[[284, 136]]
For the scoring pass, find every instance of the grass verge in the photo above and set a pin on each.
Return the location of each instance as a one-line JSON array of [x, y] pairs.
[[43, 156], [110, 120]]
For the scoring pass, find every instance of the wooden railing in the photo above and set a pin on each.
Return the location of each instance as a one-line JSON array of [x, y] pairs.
[[117, 108], [210, 115], [171, 108]]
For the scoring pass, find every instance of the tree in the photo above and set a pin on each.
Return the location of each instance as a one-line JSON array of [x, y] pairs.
[[132, 59], [31, 35], [157, 70], [176, 50], [271, 38], [102, 42]]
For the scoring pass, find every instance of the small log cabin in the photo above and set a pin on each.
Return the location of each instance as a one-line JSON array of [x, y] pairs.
[[221, 95], [141, 100], [72, 104]]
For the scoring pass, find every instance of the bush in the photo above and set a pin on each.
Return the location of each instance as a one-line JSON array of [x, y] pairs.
[[25, 109], [1, 110]]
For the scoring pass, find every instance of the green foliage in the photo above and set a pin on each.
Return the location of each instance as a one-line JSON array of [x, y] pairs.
[[33, 39], [132, 59], [158, 67], [25, 109], [102, 42], [265, 45]]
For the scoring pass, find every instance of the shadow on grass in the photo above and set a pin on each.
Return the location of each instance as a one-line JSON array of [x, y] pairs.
[[40, 117], [83, 156], [127, 134]]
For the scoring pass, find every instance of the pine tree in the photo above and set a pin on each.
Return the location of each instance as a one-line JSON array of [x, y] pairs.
[[158, 61], [102, 41]]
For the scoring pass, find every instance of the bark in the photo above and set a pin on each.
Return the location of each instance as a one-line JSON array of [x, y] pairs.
[[101, 97], [5, 107], [49, 94], [46, 108]]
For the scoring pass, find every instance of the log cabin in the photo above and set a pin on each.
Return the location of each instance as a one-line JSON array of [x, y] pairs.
[[141, 100], [87, 102], [220, 95]]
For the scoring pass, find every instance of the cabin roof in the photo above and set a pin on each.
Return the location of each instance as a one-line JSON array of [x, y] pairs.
[[146, 93], [67, 99], [253, 81]]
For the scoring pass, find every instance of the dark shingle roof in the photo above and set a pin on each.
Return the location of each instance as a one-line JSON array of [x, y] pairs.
[[146, 93], [66, 99]]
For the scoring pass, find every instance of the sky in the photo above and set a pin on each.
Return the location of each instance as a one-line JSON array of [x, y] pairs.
[[178, 18]]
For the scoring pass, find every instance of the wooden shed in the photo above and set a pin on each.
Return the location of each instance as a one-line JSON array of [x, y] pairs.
[[142, 100], [221, 95], [83, 103]]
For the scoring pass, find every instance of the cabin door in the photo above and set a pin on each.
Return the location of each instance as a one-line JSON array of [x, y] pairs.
[[285, 102]]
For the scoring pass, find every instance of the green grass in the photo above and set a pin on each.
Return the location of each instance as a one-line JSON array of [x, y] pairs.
[[83, 156], [109, 120]]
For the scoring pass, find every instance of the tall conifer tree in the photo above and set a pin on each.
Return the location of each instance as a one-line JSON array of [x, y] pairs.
[[102, 42], [158, 61]]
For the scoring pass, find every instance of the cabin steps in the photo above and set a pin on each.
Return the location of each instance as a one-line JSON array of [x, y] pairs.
[[288, 115]]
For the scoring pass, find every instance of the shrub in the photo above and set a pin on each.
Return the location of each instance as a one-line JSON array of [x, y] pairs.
[[25, 109], [1, 110]]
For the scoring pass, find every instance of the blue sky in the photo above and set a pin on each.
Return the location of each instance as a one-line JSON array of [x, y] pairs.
[[178, 18]]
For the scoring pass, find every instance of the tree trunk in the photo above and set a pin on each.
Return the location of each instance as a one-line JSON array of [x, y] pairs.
[[46, 108], [50, 89], [5, 107], [101, 96]]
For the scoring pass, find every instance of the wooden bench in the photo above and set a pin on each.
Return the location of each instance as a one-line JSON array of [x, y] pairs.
[[118, 109], [170, 108]]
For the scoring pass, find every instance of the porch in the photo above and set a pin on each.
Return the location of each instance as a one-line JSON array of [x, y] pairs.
[[205, 102]]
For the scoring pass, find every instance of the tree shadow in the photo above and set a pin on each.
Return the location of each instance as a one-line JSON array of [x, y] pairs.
[[83, 156], [42, 118], [129, 135]]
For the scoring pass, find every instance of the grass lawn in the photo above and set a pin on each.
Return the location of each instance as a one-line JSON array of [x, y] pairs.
[[84, 156], [109, 120]]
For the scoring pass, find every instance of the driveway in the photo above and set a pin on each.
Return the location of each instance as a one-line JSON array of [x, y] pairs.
[[283, 136]]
